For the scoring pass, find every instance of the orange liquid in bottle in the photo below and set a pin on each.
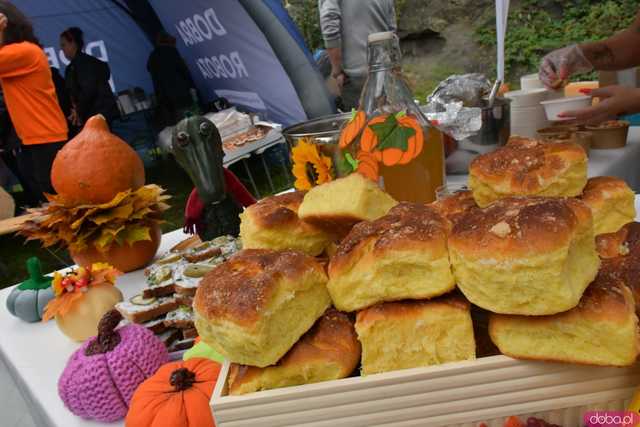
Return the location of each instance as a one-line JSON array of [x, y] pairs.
[[418, 180]]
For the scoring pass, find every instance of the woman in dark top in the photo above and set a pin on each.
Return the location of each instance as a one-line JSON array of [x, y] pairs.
[[87, 80]]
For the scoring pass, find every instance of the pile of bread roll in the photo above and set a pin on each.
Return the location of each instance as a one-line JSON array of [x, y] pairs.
[[343, 276]]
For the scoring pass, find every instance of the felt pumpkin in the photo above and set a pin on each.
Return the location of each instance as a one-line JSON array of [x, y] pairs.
[[123, 256], [402, 139], [28, 300], [352, 128], [368, 165], [95, 166], [101, 376], [83, 296], [176, 396]]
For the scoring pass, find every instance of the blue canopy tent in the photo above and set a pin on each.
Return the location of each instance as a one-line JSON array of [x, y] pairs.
[[248, 51]]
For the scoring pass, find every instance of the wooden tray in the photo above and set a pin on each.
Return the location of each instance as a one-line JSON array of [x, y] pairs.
[[456, 394]]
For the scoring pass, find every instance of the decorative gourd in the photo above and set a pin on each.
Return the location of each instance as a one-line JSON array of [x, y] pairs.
[[177, 396], [28, 300], [352, 129], [123, 256], [95, 166], [82, 297], [101, 377]]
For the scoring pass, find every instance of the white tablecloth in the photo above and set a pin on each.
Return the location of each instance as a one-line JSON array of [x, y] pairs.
[[35, 355], [621, 162]]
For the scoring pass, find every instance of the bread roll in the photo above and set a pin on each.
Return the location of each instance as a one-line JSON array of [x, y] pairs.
[[453, 206], [329, 351], [621, 257], [612, 203], [625, 241], [253, 308], [339, 205], [402, 255], [273, 223], [410, 334], [530, 256], [601, 330], [526, 167]]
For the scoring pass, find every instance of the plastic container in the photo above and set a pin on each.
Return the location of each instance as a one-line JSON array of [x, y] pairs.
[[609, 137], [461, 394], [555, 107], [530, 81]]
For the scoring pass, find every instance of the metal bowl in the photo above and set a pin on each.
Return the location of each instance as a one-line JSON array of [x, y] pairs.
[[324, 132]]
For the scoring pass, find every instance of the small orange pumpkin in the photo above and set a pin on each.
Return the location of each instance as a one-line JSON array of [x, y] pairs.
[[353, 127], [368, 165], [394, 156], [95, 166], [176, 396]]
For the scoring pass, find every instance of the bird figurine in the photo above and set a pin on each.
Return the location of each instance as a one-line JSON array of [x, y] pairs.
[[197, 147]]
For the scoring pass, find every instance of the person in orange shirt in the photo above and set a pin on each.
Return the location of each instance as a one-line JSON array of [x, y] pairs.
[[30, 97]]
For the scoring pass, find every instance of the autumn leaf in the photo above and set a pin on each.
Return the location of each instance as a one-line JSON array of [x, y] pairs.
[[391, 134]]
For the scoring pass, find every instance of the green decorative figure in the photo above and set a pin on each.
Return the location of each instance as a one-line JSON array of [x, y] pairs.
[[28, 300]]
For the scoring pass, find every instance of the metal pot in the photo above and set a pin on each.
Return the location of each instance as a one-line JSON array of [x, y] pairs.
[[325, 133], [496, 124]]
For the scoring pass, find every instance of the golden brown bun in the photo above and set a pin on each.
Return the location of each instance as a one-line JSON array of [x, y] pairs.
[[410, 334], [273, 223], [621, 257], [530, 256], [612, 203], [253, 308], [402, 255], [526, 167], [601, 330], [329, 351], [339, 205], [453, 206], [623, 242]]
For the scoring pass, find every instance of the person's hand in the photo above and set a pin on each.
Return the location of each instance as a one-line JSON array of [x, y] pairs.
[[340, 81], [561, 64], [3, 21], [614, 101]]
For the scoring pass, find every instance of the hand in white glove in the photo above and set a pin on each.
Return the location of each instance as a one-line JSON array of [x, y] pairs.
[[561, 64]]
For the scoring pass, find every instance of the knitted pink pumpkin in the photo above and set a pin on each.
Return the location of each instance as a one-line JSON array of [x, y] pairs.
[[100, 377]]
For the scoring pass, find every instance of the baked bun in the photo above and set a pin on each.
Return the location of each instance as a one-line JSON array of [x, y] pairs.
[[531, 256], [339, 205], [402, 255], [621, 257], [623, 242], [253, 308], [410, 334], [526, 167], [612, 203], [601, 330], [453, 206], [329, 351], [273, 223]]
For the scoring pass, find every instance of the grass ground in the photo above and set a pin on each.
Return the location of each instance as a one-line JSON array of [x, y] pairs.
[[14, 252]]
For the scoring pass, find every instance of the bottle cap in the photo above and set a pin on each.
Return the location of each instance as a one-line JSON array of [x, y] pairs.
[[376, 37]]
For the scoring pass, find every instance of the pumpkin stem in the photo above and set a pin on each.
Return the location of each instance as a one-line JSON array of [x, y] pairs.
[[182, 379], [108, 338]]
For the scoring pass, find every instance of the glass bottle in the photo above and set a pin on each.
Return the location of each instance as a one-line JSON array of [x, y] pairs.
[[392, 141]]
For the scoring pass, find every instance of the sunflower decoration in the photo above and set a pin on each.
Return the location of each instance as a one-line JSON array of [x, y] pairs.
[[310, 168]]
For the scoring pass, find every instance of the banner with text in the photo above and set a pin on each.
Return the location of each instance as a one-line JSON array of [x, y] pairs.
[[229, 57], [109, 33]]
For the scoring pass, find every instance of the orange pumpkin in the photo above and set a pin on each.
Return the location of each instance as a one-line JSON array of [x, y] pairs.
[[368, 165], [394, 156], [124, 257], [95, 166], [176, 396], [351, 130]]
